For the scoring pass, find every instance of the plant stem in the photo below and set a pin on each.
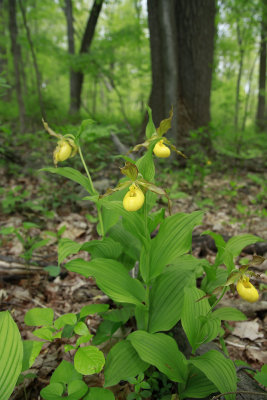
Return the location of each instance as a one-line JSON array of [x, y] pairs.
[[93, 192], [219, 299]]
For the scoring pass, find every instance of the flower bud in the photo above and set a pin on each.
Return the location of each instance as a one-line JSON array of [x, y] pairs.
[[63, 151], [134, 199], [160, 150], [246, 290]]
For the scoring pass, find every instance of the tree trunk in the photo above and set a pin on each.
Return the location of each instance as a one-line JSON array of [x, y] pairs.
[[182, 43], [239, 76], [78, 76], [35, 64], [261, 118], [196, 35], [17, 60], [164, 60], [71, 49]]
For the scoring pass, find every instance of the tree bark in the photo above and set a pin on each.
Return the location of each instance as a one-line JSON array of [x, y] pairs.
[[17, 60], [182, 44], [71, 48], [261, 117], [78, 76], [196, 35], [35, 63], [164, 60], [239, 76]]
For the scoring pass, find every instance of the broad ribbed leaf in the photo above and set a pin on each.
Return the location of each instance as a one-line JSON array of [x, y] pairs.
[[132, 221], [121, 235], [112, 278], [119, 314], [219, 370], [122, 363], [192, 310], [235, 245], [161, 351], [67, 247], [39, 316], [146, 165], [197, 385], [167, 298], [89, 360], [105, 248], [71, 174], [173, 240], [11, 354], [97, 393], [229, 314]]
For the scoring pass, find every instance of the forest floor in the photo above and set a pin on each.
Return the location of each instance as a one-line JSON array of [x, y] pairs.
[[234, 203]]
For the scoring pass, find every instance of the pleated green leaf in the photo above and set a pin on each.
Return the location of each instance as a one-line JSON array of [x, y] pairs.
[[167, 298], [229, 314], [191, 313], [219, 370], [122, 363], [146, 165], [71, 174], [197, 385], [67, 247], [132, 221], [11, 354], [112, 278], [161, 351], [121, 235], [173, 240], [234, 246], [105, 248]]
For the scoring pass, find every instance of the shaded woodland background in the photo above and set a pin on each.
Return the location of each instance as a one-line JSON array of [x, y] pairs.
[[70, 60]]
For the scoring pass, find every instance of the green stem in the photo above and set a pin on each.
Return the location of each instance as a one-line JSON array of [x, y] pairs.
[[93, 191], [219, 299]]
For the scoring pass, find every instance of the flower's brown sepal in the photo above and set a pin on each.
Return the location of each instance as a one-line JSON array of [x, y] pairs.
[[130, 170]]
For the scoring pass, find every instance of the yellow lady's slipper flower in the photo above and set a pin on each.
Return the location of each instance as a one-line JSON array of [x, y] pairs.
[[160, 150], [134, 199], [246, 290]]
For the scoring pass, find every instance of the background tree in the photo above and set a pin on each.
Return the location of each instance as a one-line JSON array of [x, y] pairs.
[[261, 117], [182, 58], [77, 74], [17, 61]]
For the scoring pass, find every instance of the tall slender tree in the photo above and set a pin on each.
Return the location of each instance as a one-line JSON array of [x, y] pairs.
[[77, 75], [261, 118], [34, 58], [17, 60]]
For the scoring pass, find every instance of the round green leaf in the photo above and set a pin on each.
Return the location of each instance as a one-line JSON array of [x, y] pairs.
[[89, 360], [39, 316]]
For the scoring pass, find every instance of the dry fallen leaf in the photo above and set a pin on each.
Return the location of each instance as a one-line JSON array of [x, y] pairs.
[[248, 330]]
